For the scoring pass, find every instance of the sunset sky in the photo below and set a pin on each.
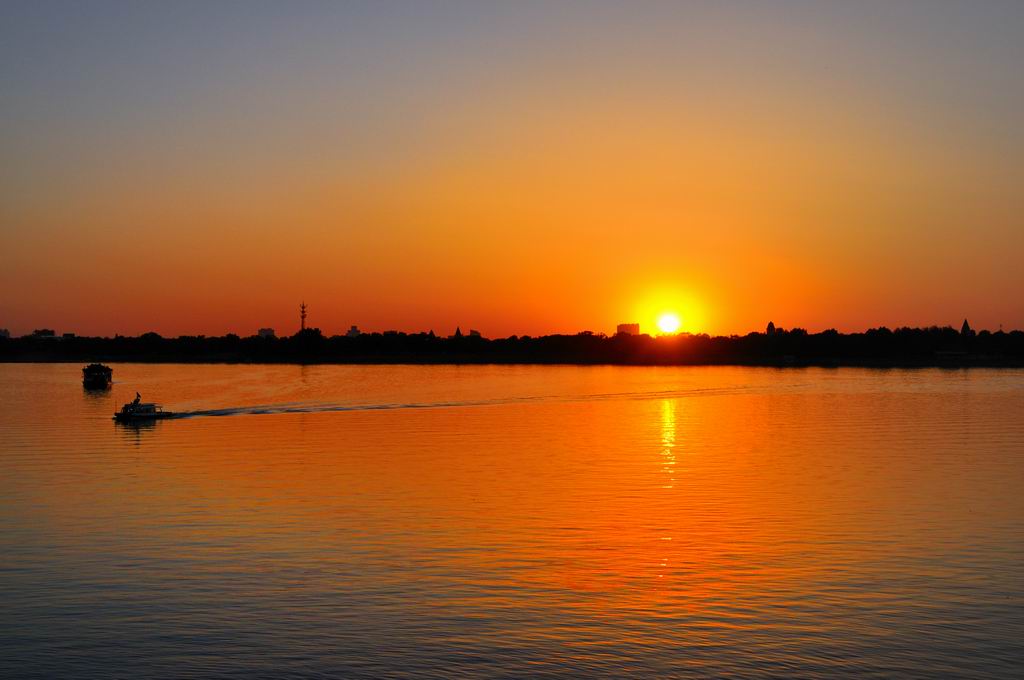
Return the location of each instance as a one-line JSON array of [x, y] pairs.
[[517, 168]]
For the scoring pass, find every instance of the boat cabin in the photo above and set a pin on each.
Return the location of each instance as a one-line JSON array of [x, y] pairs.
[[139, 410], [97, 375]]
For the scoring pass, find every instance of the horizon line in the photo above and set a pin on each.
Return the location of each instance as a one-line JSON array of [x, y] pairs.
[[49, 333]]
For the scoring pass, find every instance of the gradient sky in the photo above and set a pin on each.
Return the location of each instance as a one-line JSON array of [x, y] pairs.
[[515, 168]]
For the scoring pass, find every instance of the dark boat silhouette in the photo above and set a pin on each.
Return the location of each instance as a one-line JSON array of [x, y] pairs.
[[138, 411], [97, 376]]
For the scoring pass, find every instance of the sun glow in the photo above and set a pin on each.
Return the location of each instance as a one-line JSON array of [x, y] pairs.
[[669, 322]]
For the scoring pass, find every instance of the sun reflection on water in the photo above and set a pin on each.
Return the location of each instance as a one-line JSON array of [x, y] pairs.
[[668, 440], [668, 456]]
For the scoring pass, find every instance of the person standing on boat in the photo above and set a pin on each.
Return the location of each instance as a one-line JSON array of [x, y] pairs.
[[138, 398]]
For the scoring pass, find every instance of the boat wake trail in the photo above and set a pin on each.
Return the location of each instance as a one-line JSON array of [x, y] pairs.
[[321, 407]]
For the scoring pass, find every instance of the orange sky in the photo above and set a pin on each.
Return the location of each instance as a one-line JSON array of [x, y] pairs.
[[515, 170]]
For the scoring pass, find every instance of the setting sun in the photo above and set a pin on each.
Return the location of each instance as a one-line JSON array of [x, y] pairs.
[[668, 322]]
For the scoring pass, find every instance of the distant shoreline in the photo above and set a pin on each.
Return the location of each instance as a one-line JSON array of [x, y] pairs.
[[381, 362], [877, 348]]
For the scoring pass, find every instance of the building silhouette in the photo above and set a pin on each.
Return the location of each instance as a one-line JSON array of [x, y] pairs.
[[627, 329], [353, 332], [266, 333]]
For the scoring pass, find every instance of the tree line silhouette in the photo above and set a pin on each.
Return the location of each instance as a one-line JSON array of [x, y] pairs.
[[933, 346]]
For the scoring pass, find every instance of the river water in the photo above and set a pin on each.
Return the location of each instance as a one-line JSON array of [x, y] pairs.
[[512, 521]]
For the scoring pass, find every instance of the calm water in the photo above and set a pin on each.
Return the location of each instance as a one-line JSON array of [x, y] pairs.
[[375, 521]]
